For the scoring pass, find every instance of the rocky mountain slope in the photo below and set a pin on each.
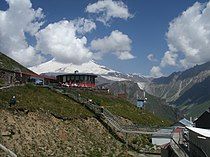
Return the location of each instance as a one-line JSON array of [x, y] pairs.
[[195, 100], [173, 86], [189, 89]]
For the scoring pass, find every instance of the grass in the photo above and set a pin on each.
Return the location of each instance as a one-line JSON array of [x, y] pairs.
[[124, 108], [1, 82], [10, 64], [38, 98], [195, 110]]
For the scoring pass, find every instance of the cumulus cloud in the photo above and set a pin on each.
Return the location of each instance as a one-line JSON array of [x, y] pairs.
[[189, 35], [156, 71], [84, 25], [151, 57], [117, 43], [60, 41], [18, 19], [188, 38], [64, 40], [169, 58], [108, 9]]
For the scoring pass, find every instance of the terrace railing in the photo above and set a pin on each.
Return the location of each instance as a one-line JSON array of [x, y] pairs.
[[7, 151]]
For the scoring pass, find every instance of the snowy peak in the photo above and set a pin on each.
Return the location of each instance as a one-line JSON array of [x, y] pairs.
[[53, 66]]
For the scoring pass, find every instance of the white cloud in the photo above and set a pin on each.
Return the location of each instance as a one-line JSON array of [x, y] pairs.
[[169, 58], [63, 40], [156, 71], [84, 25], [60, 40], [188, 38], [151, 57], [117, 43], [20, 18], [189, 35], [108, 9]]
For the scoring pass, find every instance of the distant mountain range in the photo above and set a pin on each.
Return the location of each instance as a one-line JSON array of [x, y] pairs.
[[189, 89], [173, 86]]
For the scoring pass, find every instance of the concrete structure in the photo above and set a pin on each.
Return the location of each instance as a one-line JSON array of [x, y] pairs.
[[77, 79]]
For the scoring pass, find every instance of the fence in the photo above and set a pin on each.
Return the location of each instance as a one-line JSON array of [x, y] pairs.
[[7, 151]]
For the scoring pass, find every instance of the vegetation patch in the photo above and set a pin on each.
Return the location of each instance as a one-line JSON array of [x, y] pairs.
[[10, 64], [124, 108], [35, 98], [194, 110]]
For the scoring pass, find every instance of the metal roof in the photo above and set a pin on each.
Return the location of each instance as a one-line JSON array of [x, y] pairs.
[[186, 122], [203, 132]]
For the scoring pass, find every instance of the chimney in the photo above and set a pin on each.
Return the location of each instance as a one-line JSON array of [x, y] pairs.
[[191, 119]]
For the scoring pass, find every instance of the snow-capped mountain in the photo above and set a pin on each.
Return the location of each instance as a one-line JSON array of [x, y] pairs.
[[53, 66], [105, 74]]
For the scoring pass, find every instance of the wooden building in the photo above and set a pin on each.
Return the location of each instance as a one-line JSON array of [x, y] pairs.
[[9, 77], [204, 120], [199, 142], [77, 79]]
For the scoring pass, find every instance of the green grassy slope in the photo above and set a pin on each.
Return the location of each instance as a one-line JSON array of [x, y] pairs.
[[38, 98], [124, 108], [10, 64], [160, 108], [194, 110]]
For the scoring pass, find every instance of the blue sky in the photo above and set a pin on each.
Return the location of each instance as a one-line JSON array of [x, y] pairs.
[[146, 29]]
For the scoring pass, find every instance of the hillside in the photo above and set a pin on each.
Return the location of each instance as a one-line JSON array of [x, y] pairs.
[[159, 107], [38, 134], [33, 126], [154, 104], [34, 98], [195, 100], [10, 64], [36, 117], [124, 108]]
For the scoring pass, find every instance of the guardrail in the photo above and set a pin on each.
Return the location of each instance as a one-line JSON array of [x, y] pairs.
[[178, 149], [7, 151]]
